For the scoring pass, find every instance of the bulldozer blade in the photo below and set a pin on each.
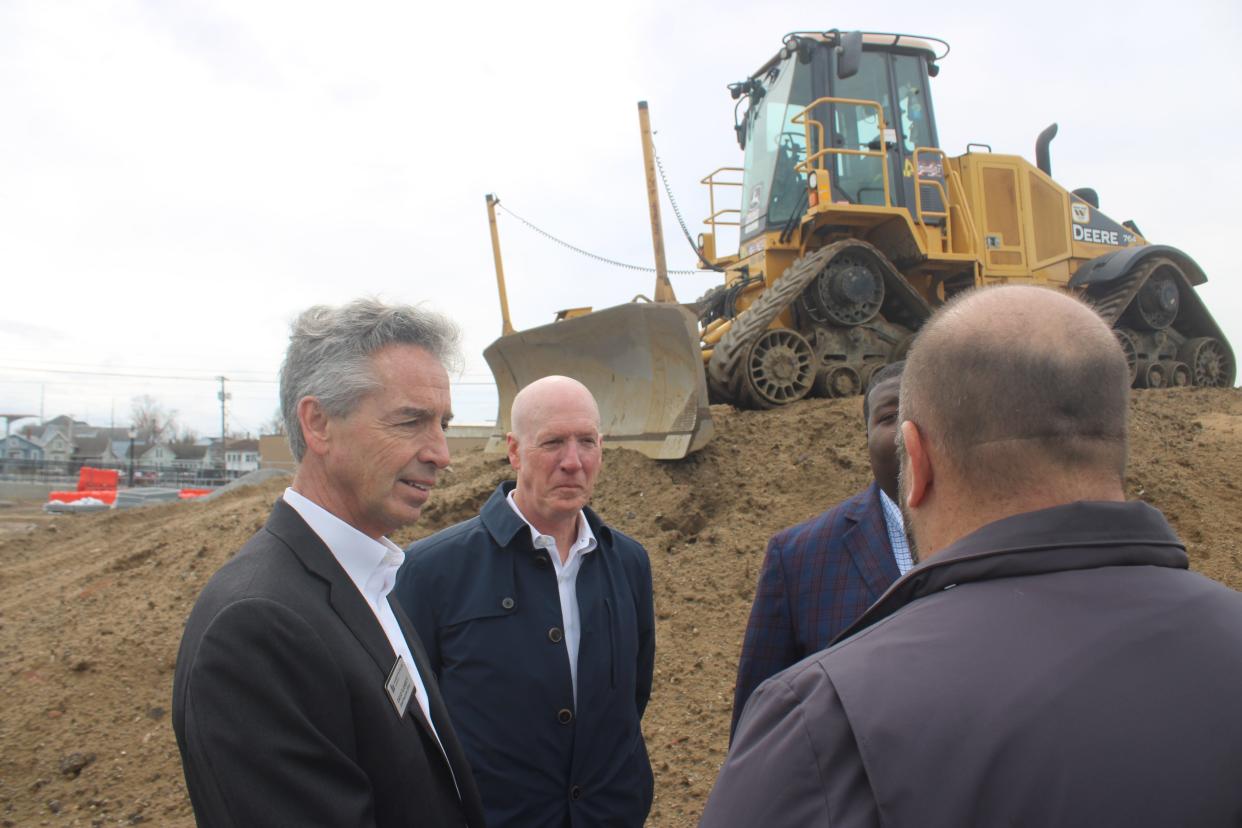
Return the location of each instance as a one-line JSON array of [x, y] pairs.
[[641, 361]]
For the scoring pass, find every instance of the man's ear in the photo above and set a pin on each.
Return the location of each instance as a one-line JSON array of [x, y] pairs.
[[919, 465], [511, 443], [315, 425]]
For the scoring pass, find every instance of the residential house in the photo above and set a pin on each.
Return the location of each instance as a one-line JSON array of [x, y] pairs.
[[56, 446], [116, 452], [241, 456], [65, 425], [158, 455], [188, 457], [17, 447], [94, 450]]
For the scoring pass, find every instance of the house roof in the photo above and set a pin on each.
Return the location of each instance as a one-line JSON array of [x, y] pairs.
[[89, 447], [242, 445], [184, 451], [4, 441], [120, 448], [64, 421]]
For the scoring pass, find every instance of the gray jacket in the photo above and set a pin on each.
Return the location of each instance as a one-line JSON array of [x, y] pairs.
[[1059, 667]]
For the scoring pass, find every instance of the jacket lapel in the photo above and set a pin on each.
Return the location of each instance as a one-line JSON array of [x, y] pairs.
[[287, 525], [868, 544], [344, 598]]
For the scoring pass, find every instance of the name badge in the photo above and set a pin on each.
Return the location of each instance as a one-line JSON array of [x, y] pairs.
[[400, 686]]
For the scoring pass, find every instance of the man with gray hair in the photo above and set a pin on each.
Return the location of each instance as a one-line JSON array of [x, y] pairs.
[[1049, 661], [302, 695]]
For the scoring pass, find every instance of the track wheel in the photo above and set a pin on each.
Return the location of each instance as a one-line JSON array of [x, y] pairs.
[[1178, 374], [1159, 299], [837, 381], [1126, 340], [1209, 361], [1153, 374], [780, 369], [848, 292]]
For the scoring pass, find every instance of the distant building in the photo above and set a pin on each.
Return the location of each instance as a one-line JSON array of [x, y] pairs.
[[56, 446], [93, 450], [17, 447], [241, 456], [188, 457], [274, 452], [158, 455]]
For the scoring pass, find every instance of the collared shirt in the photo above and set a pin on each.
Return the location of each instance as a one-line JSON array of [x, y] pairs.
[[896, 525], [566, 581], [372, 567]]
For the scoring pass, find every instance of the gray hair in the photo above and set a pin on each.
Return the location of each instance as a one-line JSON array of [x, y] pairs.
[[330, 350]]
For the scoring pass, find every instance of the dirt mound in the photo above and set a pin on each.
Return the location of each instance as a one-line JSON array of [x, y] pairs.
[[92, 606]]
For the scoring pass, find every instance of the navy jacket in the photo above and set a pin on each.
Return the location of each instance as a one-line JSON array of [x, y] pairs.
[[818, 577], [484, 602]]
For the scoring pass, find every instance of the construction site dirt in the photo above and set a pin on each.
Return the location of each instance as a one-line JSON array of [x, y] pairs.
[[92, 606]]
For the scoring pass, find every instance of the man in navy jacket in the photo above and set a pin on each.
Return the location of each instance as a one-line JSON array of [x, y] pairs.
[[819, 576], [538, 623]]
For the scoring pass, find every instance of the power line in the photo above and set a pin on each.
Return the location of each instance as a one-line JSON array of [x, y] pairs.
[[587, 253], [97, 373], [212, 379], [685, 231]]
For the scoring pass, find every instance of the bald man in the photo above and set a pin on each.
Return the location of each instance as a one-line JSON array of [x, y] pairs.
[[1049, 660], [538, 623]]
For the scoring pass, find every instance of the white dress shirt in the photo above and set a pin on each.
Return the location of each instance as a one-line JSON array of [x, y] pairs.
[[566, 582], [372, 567], [896, 525]]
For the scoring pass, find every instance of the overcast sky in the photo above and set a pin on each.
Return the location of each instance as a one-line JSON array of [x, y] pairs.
[[179, 179]]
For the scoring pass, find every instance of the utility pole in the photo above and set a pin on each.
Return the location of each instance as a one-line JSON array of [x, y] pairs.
[[224, 398]]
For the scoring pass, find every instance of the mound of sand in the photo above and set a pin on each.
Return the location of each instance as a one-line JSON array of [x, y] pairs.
[[92, 606]]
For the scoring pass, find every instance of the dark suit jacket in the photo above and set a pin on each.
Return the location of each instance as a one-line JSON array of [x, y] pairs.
[[485, 601], [817, 578], [279, 703], [1059, 667]]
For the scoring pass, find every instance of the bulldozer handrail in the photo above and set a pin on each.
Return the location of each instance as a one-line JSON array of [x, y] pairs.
[[812, 161], [713, 219], [710, 178]]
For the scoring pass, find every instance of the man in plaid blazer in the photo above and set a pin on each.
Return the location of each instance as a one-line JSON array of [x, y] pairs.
[[819, 576]]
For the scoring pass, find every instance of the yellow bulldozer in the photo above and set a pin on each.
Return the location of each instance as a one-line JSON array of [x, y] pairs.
[[853, 226]]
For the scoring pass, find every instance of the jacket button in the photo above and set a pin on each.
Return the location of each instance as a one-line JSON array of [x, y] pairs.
[[506, 602], [575, 793], [565, 715], [555, 635]]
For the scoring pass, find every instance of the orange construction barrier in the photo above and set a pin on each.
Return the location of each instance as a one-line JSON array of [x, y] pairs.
[[188, 494], [90, 479], [106, 495]]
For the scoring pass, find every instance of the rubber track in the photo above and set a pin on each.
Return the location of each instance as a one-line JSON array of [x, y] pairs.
[[1112, 304], [724, 370]]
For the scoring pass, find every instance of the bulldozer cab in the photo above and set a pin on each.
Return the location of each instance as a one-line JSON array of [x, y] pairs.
[[872, 109]]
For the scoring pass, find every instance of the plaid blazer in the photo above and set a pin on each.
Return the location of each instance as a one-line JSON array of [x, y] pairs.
[[817, 578]]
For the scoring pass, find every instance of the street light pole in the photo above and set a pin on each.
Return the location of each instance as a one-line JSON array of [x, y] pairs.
[[132, 435]]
